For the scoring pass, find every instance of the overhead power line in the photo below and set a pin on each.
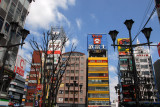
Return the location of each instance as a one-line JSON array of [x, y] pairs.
[[145, 23]]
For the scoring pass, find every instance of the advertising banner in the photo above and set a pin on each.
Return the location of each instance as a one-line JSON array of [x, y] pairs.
[[20, 66], [123, 41], [97, 42], [158, 48]]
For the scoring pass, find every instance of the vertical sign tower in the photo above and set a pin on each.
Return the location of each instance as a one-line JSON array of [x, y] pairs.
[[98, 79]]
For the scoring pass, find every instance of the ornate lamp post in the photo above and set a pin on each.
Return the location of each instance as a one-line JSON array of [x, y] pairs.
[[147, 32]]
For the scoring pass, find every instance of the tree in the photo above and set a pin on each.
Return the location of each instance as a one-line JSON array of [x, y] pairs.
[[52, 67]]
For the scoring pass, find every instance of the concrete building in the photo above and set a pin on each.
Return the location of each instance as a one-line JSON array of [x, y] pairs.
[[10, 11], [98, 75], [69, 93], [157, 74], [145, 75], [16, 91], [145, 72]]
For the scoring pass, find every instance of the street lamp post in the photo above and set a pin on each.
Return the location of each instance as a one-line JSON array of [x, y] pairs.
[[147, 32], [74, 85]]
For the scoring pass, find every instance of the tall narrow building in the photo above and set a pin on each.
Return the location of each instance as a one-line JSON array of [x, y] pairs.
[[70, 93], [98, 75]]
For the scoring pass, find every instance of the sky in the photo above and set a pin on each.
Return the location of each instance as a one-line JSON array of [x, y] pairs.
[[80, 17]]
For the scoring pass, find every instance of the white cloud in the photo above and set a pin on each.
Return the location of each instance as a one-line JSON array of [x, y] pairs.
[[113, 83], [27, 46], [79, 23], [154, 15], [75, 41], [113, 56], [112, 69], [44, 13], [67, 43], [35, 33]]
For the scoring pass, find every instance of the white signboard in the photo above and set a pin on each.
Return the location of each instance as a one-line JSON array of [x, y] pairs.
[[20, 66]]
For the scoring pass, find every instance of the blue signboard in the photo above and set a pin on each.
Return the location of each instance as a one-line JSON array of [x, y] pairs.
[[97, 41]]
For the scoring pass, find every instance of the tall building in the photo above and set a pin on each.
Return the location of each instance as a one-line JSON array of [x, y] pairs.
[[69, 93], [145, 75], [147, 90], [16, 91], [98, 79], [10, 11]]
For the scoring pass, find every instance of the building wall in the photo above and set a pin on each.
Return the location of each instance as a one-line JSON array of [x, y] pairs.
[[98, 81], [157, 73], [75, 72], [16, 90]]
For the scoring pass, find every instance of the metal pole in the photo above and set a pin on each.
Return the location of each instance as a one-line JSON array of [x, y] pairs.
[[134, 70]]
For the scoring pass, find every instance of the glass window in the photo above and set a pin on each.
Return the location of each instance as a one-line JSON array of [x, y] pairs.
[[61, 91], [68, 71], [18, 13], [76, 78], [26, 4], [72, 71], [98, 74], [24, 14], [67, 78], [144, 66], [98, 88], [143, 60], [77, 71], [98, 95], [77, 59], [72, 78], [145, 73], [12, 8], [6, 27], [22, 1], [1, 22], [81, 71], [66, 99], [5, 4], [81, 99], [81, 77], [98, 81]]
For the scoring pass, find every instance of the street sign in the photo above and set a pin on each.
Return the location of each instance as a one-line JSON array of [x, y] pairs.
[[39, 87]]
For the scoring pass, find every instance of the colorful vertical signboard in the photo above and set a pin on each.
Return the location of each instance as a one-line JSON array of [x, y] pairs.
[[123, 50], [158, 48], [97, 41], [20, 66]]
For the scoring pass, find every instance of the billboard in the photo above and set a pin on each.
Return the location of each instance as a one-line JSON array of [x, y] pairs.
[[123, 41], [97, 41], [20, 66], [158, 48]]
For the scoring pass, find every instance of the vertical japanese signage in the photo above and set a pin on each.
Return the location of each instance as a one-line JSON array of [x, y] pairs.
[[158, 8], [20, 66], [97, 41], [158, 48]]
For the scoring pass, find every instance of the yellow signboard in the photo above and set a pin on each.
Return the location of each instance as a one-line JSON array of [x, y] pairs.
[[123, 41]]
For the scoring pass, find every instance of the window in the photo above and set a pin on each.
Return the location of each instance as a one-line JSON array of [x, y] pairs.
[[72, 71], [6, 28], [5, 4], [81, 99], [72, 78], [67, 71], [61, 91], [77, 71], [1, 22], [143, 60], [81, 77], [144, 66], [81, 71], [77, 65], [66, 99], [77, 59], [12, 9], [63, 59], [76, 78], [145, 73], [60, 99], [67, 78]]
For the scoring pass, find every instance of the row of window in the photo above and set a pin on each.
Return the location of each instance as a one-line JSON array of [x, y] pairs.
[[74, 78], [71, 99], [70, 92], [92, 95], [98, 81], [74, 71], [98, 103], [98, 88]]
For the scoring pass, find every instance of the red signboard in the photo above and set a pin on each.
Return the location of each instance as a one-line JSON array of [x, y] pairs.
[[97, 40], [158, 48], [39, 87], [20, 66]]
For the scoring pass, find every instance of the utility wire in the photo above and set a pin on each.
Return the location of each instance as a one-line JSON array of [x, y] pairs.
[[145, 14], [146, 22]]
